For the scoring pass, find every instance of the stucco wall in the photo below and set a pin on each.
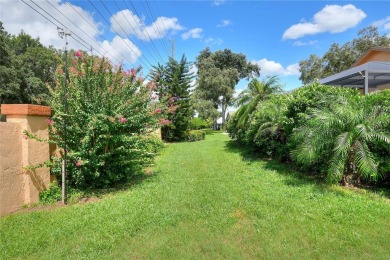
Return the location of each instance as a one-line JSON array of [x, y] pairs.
[[19, 186], [11, 177]]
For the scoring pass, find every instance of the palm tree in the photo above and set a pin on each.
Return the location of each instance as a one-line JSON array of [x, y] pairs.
[[256, 92], [345, 130]]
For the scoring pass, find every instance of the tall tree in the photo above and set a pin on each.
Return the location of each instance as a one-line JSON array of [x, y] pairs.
[[9, 64], [26, 66], [204, 108], [339, 58], [38, 64], [219, 73], [173, 81]]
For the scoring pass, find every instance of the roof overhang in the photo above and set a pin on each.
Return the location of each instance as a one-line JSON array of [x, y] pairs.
[[378, 73]]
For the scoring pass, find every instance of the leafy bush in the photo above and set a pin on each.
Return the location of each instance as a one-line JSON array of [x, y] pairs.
[[309, 124], [199, 123], [346, 129], [267, 129], [109, 115], [196, 135], [51, 195]]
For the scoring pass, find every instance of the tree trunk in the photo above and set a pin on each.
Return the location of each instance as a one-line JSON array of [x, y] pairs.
[[224, 108]]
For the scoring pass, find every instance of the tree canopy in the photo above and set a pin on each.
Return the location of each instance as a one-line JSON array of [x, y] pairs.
[[26, 66], [339, 58], [219, 73]]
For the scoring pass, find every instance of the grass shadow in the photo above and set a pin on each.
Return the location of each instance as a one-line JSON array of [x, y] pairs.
[[247, 154], [135, 180], [91, 195], [295, 177]]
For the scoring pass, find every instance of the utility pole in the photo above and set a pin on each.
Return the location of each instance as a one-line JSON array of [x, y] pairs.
[[173, 48], [64, 34]]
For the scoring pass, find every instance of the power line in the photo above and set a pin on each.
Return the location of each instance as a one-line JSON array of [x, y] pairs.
[[157, 27], [93, 27], [150, 38], [59, 23], [45, 14], [159, 13], [93, 40], [134, 31], [115, 30], [41, 14]]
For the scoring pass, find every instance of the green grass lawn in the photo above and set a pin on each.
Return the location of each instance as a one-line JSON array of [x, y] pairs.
[[205, 200]]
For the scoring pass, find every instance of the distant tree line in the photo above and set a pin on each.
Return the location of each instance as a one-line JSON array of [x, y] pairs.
[[341, 57], [26, 66]]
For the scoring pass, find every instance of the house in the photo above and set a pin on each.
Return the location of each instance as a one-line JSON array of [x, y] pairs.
[[369, 73], [219, 120]]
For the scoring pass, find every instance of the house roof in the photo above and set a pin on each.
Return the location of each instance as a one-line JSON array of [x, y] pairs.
[[378, 74], [371, 52]]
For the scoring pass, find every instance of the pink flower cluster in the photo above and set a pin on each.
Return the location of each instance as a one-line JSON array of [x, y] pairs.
[[164, 121], [79, 54], [157, 111], [50, 121], [79, 163], [123, 120]]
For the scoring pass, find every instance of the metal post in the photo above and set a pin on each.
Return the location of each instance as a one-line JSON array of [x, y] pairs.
[[65, 33], [366, 82], [173, 48]]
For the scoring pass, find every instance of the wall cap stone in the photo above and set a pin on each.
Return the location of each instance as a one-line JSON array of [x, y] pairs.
[[25, 109]]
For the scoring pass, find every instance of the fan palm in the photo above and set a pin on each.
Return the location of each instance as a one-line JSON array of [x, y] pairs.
[[256, 92], [345, 131]]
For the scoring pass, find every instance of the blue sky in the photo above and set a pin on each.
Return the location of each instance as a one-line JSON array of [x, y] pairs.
[[274, 34]]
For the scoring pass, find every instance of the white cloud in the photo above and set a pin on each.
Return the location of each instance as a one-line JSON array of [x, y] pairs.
[[383, 24], [309, 43], [120, 49], [269, 67], [224, 23], [195, 33], [16, 16], [332, 18], [218, 2], [125, 22], [213, 41]]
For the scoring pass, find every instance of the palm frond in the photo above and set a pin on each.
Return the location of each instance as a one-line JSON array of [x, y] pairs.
[[336, 167], [365, 161], [381, 137], [305, 154], [343, 144]]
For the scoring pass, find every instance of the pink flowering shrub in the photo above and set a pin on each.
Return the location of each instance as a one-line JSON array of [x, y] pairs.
[[109, 115]]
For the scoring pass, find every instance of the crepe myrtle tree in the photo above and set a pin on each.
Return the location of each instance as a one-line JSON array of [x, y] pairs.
[[109, 119]]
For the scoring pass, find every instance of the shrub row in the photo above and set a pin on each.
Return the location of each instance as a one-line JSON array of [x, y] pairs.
[[329, 131], [196, 135], [199, 123]]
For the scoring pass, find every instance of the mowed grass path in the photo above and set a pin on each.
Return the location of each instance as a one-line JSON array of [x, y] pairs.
[[204, 200]]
